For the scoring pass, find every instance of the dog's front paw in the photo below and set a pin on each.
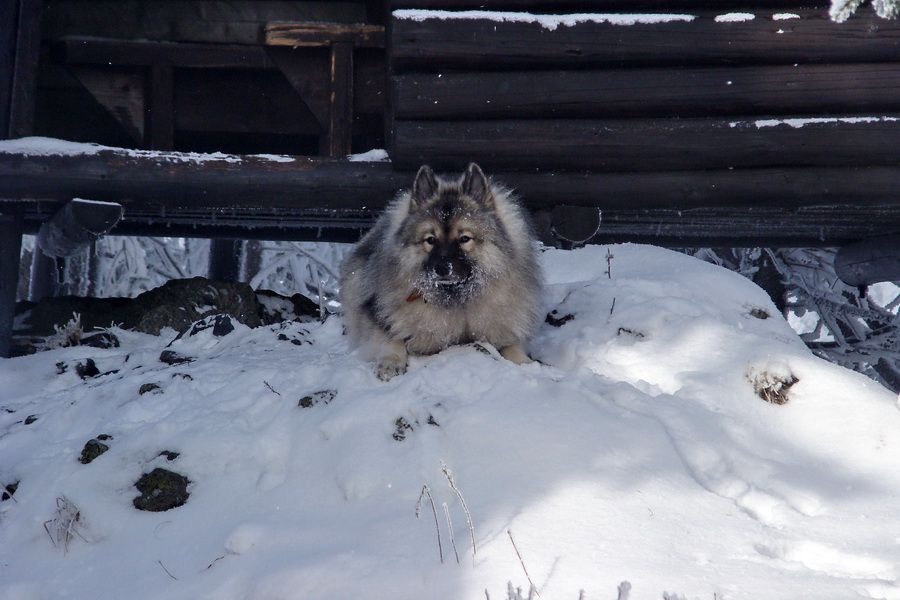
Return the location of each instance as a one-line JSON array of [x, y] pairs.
[[388, 368], [392, 361]]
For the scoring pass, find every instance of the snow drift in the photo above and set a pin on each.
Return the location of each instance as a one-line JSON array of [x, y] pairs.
[[641, 450]]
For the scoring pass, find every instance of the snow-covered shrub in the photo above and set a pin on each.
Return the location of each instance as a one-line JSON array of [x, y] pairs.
[[842, 9], [66, 335]]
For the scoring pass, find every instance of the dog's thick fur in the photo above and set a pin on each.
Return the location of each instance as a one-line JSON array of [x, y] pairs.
[[449, 262]]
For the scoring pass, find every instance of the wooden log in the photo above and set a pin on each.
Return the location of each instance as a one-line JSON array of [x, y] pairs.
[[169, 181], [248, 197], [620, 93], [646, 144], [869, 261], [467, 41], [75, 225]]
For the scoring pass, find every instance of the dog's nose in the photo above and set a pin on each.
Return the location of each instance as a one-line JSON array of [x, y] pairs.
[[443, 269]]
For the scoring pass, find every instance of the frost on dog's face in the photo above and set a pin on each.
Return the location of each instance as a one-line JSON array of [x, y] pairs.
[[447, 230]]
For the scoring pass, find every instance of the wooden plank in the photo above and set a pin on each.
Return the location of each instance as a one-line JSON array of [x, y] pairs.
[[79, 50], [437, 43], [618, 93], [646, 144], [298, 35]]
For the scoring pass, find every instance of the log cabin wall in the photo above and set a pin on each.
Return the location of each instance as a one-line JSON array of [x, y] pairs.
[[731, 114], [239, 76]]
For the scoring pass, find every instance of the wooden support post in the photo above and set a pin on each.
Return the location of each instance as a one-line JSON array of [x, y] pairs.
[[340, 121], [10, 250], [225, 260], [19, 47], [45, 276]]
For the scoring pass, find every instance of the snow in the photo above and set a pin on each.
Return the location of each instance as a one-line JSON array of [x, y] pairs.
[[802, 122], [784, 16], [43, 146], [737, 17], [550, 22], [377, 155], [637, 452]]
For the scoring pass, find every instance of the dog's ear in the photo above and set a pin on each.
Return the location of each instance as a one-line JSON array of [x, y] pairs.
[[475, 185], [425, 186]]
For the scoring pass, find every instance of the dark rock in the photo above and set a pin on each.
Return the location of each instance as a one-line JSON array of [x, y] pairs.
[[150, 387], [402, 427], [170, 357], [9, 491], [87, 369], [30, 419], [161, 490], [221, 325], [275, 308], [104, 339], [94, 448], [320, 397], [181, 302], [169, 455], [557, 321], [177, 304]]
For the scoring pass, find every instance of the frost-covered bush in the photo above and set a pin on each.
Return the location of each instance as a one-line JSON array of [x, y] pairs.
[[842, 9], [856, 328]]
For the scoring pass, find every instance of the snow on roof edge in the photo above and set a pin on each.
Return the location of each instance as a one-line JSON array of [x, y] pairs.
[[550, 22]]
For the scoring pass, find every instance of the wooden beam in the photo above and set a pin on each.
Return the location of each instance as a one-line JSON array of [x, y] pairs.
[[646, 144], [433, 44], [619, 93], [111, 52], [296, 35]]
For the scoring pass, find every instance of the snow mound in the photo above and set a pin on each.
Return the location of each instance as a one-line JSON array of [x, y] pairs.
[[640, 451]]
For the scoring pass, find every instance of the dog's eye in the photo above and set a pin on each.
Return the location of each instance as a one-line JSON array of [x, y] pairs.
[[431, 240], [464, 239]]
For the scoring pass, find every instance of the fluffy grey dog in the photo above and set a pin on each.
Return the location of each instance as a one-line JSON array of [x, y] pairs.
[[451, 261]]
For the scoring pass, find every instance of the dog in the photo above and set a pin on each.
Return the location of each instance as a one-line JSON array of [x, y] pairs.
[[450, 261]]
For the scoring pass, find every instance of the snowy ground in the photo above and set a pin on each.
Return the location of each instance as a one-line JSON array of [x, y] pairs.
[[638, 452]]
